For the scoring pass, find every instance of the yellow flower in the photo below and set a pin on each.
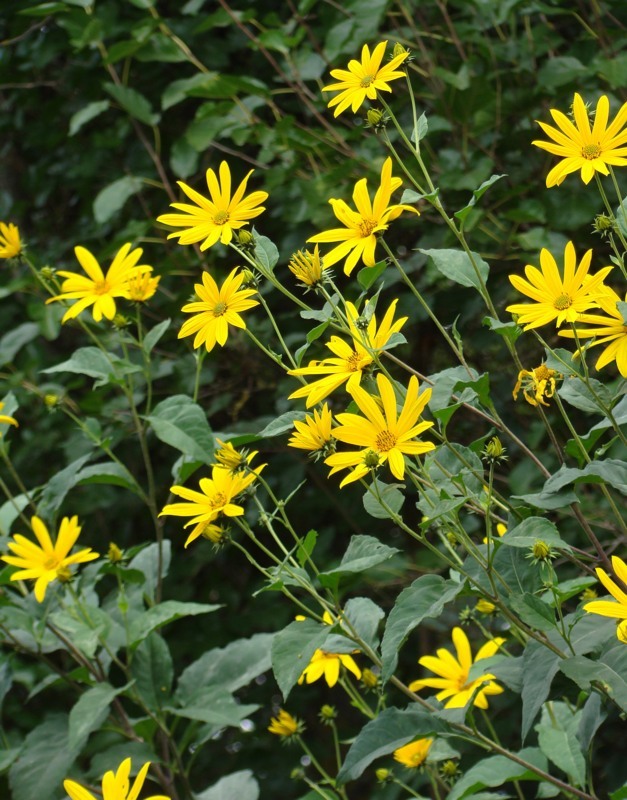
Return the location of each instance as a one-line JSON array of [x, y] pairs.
[[285, 725], [589, 150], [384, 435], [96, 288], [227, 456], [536, 385], [10, 243], [210, 221], [485, 606], [453, 673], [328, 665], [364, 78], [557, 298], [607, 608], [308, 268], [314, 432], [217, 308], [358, 237], [115, 785], [349, 362], [46, 562], [414, 754], [141, 287], [214, 499], [6, 420], [611, 329]]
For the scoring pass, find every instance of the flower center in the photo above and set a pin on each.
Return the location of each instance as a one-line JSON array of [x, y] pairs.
[[366, 226], [542, 373], [101, 287], [219, 309], [366, 81], [385, 441], [562, 302], [218, 500], [221, 218], [591, 151], [353, 362], [51, 563]]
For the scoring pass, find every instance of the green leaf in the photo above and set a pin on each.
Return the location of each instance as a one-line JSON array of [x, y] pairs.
[[281, 424], [112, 198], [154, 335], [214, 707], [424, 599], [560, 70], [86, 637], [540, 665], [457, 266], [533, 611], [362, 553], [364, 617], [477, 195], [162, 614], [389, 494], [89, 712], [532, 529], [241, 785], [368, 276], [393, 728], [108, 473], [577, 394], [557, 737], [182, 424], [86, 114], [266, 252], [91, 361], [58, 486], [508, 330], [593, 715], [495, 771], [316, 333], [306, 547], [132, 102], [13, 341], [610, 671], [147, 562], [610, 471], [292, 649], [153, 672]]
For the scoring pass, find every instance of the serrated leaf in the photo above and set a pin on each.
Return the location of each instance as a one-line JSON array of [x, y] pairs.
[[89, 712], [557, 737], [153, 672], [495, 771], [610, 671], [540, 665], [162, 614], [181, 423], [457, 266]]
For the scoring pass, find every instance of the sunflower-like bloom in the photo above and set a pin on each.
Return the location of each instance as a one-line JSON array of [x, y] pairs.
[[611, 329], [217, 308], [536, 384], [142, 286], [10, 242], [414, 754], [328, 665], [115, 785], [314, 432], [453, 673], [384, 435], [210, 221], [349, 363], [557, 298], [358, 237], [214, 499], [6, 420], [285, 725], [97, 289], [308, 268], [230, 458], [581, 147], [46, 561], [364, 78], [607, 608]]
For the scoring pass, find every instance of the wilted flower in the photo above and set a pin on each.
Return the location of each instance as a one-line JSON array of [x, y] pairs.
[[537, 384]]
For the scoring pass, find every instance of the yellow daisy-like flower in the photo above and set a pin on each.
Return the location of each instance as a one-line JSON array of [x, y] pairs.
[[285, 725], [414, 754], [611, 329], [10, 242], [215, 219], [115, 785], [308, 268], [536, 384], [142, 286], [314, 432], [358, 237], [46, 562], [97, 289], [583, 148], [227, 456], [349, 363], [607, 608], [215, 498], [557, 298], [453, 673], [6, 420], [364, 78], [383, 434], [328, 665], [217, 308]]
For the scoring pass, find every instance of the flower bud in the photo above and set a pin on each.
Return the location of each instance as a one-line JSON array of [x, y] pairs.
[[383, 775], [114, 554]]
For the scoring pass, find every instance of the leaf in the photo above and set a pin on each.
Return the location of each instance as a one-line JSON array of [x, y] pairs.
[[495, 771], [364, 617], [266, 252], [557, 737], [578, 395], [182, 424], [58, 486], [241, 785], [540, 665], [154, 335], [477, 195], [214, 707], [306, 547], [457, 266], [147, 562], [610, 671], [91, 361], [89, 712], [13, 341], [393, 728], [424, 599], [368, 276], [108, 473], [611, 471], [389, 494], [153, 672], [112, 198], [132, 102], [292, 649], [530, 530], [362, 553], [533, 611], [162, 614], [593, 715], [508, 330], [281, 424], [86, 114], [86, 637]]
